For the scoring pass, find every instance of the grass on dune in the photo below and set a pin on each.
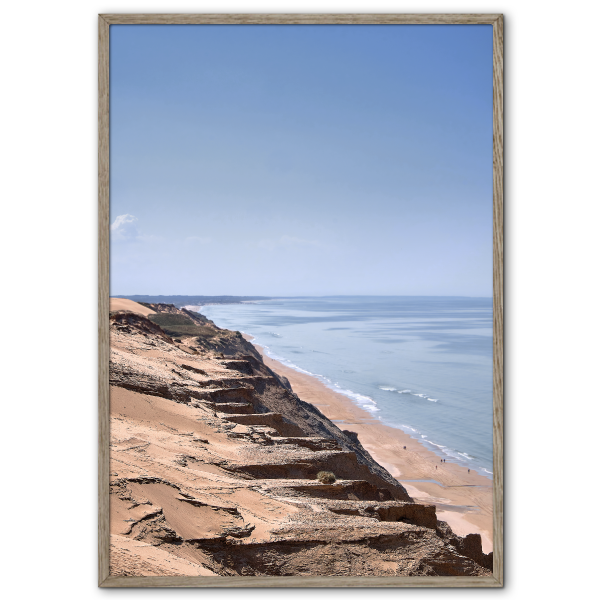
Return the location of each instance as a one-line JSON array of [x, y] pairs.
[[181, 325]]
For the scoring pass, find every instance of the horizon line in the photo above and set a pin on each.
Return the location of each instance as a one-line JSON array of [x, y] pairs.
[[280, 297]]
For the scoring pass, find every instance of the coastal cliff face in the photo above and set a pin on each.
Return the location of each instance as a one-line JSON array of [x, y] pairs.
[[214, 464]]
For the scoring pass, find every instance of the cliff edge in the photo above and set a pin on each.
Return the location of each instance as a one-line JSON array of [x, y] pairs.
[[214, 465]]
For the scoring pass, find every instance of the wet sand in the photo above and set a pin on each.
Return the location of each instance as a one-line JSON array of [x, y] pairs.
[[463, 500]]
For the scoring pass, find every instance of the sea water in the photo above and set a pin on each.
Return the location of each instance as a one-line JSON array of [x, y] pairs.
[[420, 364]]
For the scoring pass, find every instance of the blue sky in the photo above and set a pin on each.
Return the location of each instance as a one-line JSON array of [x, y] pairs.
[[301, 160]]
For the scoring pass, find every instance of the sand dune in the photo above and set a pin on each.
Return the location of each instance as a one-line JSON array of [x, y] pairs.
[[124, 304]]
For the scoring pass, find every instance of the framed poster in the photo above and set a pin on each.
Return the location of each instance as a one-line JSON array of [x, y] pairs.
[[300, 300]]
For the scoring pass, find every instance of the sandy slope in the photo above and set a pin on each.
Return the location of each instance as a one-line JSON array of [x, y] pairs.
[[124, 304], [462, 499]]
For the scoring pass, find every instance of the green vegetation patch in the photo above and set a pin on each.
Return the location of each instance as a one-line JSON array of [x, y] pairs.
[[326, 477], [199, 316], [181, 325]]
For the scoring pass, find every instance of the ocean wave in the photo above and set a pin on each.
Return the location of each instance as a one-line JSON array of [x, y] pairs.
[[366, 402], [359, 397], [294, 366], [291, 365], [445, 451], [440, 446], [410, 392], [404, 427], [453, 456], [387, 389]]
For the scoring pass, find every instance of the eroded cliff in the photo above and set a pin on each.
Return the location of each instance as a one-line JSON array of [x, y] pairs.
[[214, 464]]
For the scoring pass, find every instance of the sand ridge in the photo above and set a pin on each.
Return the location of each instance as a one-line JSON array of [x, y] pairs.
[[124, 304]]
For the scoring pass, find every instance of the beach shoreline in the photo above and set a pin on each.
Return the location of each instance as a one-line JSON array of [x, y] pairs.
[[462, 499]]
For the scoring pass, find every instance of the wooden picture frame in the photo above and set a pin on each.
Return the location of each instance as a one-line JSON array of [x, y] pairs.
[[104, 23]]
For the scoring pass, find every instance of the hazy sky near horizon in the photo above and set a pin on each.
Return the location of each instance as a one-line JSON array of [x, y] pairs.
[[301, 160]]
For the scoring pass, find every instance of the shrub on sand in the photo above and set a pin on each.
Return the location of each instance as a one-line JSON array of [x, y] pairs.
[[326, 477]]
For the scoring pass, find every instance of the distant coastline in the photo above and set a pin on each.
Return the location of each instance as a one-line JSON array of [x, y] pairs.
[[180, 300]]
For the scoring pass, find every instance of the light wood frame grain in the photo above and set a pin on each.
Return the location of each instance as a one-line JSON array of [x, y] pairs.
[[104, 23]]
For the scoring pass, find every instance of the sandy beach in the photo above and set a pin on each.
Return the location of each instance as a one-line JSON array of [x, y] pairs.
[[462, 499]]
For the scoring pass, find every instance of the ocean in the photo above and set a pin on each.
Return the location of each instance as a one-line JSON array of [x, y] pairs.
[[420, 364]]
